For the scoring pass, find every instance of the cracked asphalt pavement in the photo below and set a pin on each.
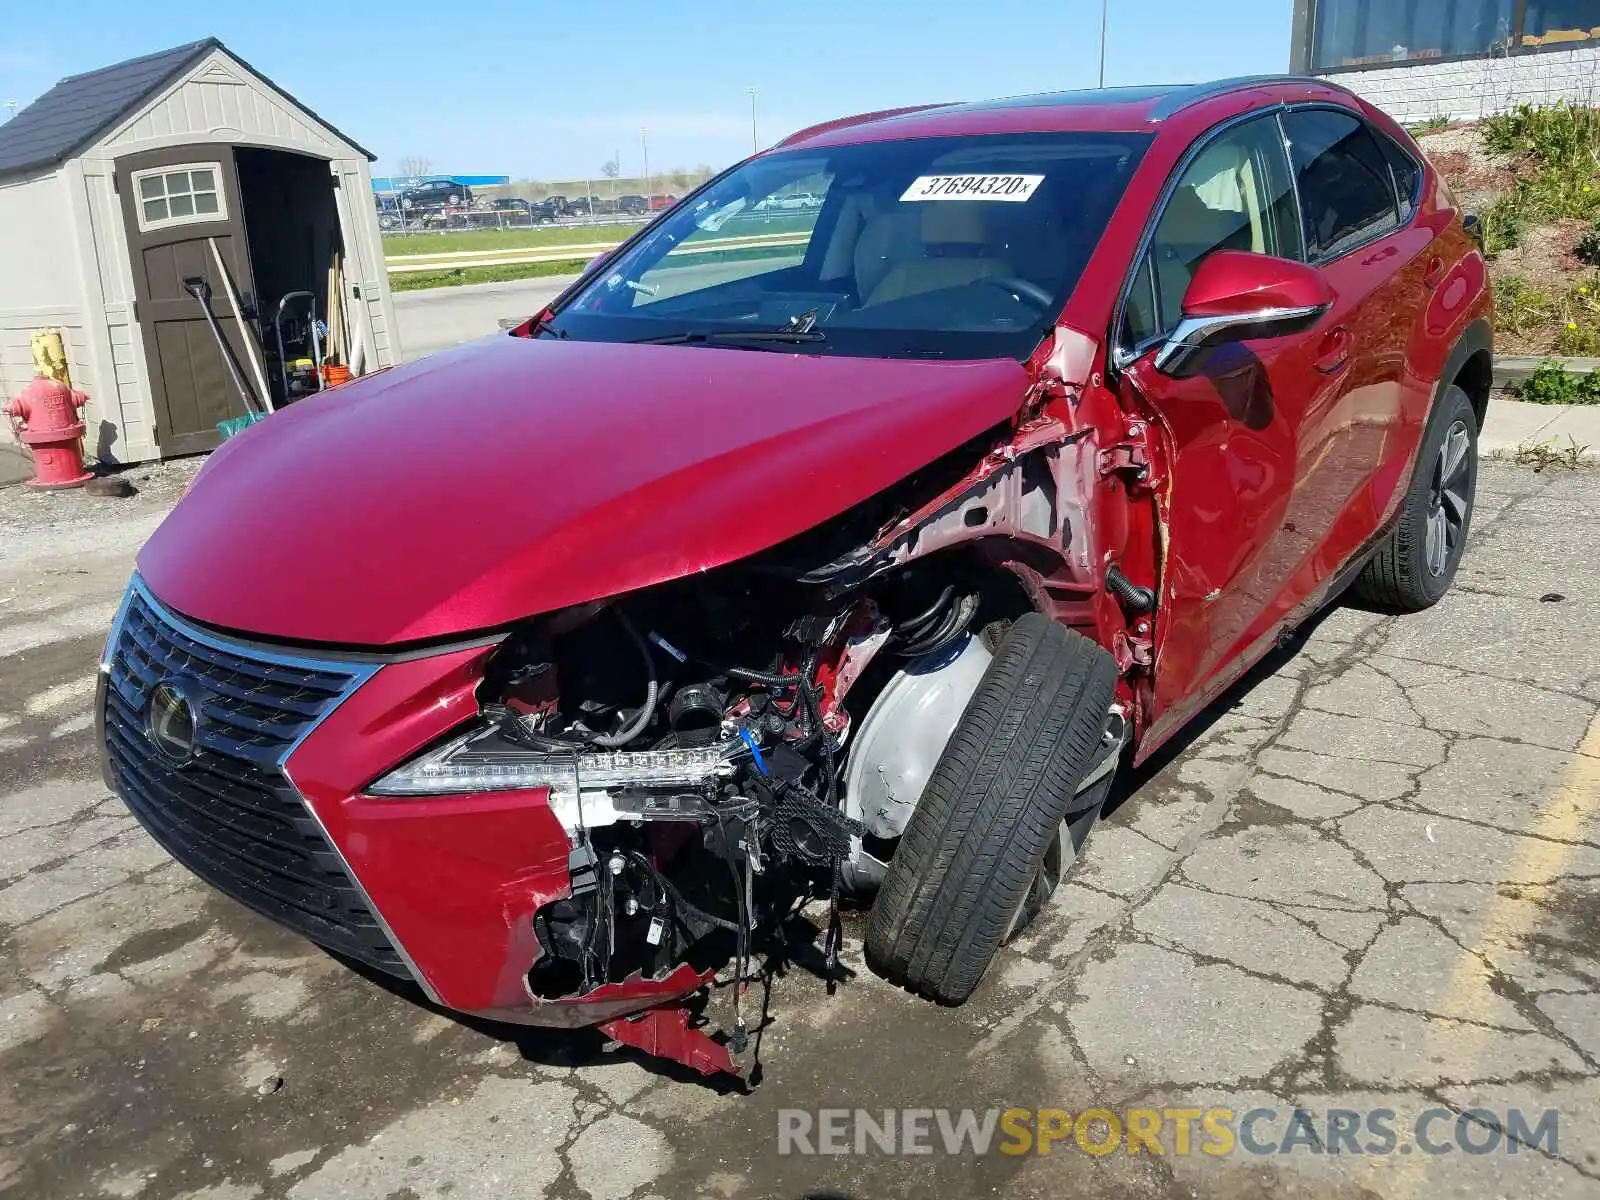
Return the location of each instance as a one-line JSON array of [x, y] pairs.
[[1370, 880]]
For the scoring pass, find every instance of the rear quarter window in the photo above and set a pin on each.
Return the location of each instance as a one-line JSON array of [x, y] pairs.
[[1407, 173]]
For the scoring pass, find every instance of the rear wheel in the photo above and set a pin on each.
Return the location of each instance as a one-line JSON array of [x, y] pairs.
[[973, 865], [1417, 562]]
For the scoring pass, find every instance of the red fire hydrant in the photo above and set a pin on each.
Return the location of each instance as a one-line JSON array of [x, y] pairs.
[[48, 418]]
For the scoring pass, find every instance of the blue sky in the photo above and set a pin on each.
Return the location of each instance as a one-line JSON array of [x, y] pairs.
[[545, 90]]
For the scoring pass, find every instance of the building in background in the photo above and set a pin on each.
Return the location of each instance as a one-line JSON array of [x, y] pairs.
[[1462, 59]]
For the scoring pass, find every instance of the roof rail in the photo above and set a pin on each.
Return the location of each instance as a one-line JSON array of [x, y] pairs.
[[882, 114], [1187, 97]]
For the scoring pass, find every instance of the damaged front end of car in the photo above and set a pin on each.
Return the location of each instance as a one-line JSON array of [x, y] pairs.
[[721, 749]]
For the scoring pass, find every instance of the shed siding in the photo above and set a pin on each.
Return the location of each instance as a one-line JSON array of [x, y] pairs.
[[125, 384], [39, 283], [364, 262], [34, 273], [219, 102]]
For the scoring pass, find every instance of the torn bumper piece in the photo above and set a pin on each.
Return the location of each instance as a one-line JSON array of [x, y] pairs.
[[622, 998], [662, 1031], [665, 1033]]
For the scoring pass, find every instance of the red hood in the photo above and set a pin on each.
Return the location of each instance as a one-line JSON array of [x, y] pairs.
[[511, 476]]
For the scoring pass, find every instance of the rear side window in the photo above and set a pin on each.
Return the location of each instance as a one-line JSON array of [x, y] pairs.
[[1346, 192]]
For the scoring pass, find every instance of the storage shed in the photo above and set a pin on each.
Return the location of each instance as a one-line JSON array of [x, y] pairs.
[[118, 186]]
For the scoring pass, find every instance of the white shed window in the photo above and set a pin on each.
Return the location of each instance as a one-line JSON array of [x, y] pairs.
[[180, 195]]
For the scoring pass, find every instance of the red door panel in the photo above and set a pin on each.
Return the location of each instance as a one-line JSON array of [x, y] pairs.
[[1237, 450]]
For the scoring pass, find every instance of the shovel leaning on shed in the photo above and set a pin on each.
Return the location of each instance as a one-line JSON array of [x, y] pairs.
[[200, 289]]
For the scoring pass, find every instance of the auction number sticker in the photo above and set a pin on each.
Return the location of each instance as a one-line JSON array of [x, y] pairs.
[[1013, 188]]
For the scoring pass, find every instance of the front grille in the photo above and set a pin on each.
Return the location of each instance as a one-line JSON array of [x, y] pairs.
[[230, 814]]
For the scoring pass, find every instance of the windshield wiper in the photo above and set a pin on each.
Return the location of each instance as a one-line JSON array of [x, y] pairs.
[[735, 337]]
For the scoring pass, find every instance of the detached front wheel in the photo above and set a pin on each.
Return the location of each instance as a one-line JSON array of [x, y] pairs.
[[970, 865]]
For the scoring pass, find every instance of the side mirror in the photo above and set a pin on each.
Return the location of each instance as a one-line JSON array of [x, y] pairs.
[[1235, 296]]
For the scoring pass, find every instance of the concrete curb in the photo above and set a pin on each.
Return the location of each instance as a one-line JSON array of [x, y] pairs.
[[1512, 369], [1512, 424]]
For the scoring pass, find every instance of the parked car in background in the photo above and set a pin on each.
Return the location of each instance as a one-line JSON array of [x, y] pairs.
[[858, 563], [502, 211], [633, 205], [551, 209], [660, 203], [791, 202], [434, 195]]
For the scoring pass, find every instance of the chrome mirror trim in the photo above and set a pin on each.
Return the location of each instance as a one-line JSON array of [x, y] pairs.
[[1194, 334]]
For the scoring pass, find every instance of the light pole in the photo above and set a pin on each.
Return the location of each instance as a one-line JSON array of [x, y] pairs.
[[755, 144], [644, 144], [1104, 7]]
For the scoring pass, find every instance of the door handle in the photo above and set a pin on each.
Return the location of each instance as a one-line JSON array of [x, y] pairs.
[[1434, 275], [1334, 353]]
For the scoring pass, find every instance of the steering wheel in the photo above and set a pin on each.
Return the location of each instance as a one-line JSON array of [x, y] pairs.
[[1021, 289]]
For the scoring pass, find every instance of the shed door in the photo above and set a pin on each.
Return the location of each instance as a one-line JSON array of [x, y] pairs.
[[173, 202]]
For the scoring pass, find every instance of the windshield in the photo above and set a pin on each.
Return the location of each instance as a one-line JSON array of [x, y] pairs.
[[931, 248]]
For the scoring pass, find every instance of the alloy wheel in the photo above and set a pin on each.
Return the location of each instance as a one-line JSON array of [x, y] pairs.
[[1448, 500]]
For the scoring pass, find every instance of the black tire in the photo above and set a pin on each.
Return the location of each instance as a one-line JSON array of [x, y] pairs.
[[1063, 852], [992, 808], [1399, 577]]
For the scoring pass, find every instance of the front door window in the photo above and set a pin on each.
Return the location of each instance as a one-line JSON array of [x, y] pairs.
[[1235, 195]]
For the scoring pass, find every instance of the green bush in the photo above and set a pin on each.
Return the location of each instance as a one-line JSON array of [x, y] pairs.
[[1559, 146], [1556, 133], [1501, 225], [1552, 383], [1588, 248]]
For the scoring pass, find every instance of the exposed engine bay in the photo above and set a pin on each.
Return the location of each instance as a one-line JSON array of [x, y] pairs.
[[699, 740]]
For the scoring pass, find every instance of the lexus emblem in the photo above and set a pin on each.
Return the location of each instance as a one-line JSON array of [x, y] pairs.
[[170, 722]]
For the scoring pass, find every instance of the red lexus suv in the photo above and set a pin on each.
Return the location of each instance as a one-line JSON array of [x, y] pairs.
[[834, 554]]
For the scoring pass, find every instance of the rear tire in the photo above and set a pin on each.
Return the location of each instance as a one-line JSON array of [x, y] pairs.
[[1417, 562], [971, 856]]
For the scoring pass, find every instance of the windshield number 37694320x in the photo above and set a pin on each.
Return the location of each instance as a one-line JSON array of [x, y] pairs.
[[1013, 188]]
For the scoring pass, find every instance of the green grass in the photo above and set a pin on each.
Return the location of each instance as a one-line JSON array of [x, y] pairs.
[[504, 239], [580, 235], [1519, 308], [1501, 225], [412, 281], [1431, 125]]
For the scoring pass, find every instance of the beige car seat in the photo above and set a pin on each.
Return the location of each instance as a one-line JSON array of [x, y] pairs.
[[924, 247], [1216, 208]]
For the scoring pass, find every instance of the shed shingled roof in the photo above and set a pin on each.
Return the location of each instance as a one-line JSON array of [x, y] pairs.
[[72, 114]]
